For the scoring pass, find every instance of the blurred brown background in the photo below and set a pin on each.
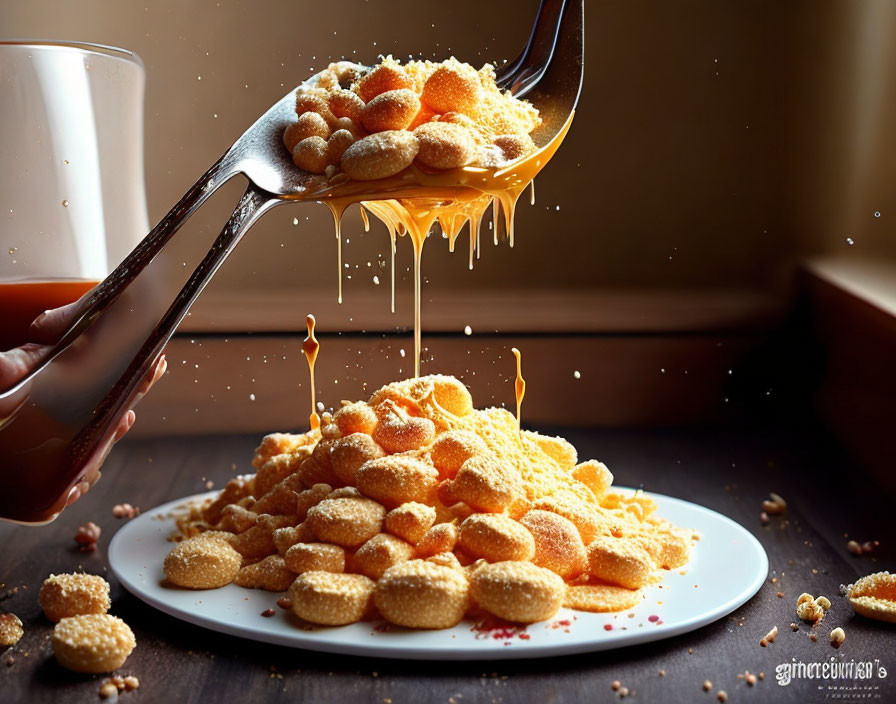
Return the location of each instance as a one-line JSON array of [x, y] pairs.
[[720, 148]]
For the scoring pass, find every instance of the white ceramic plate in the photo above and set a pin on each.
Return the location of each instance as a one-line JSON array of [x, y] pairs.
[[727, 568]]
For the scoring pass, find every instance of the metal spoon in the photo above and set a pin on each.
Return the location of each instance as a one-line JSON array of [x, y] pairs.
[[54, 419]]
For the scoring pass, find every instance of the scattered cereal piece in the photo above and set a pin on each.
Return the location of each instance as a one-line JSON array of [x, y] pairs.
[[707, 685], [87, 536], [874, 596], [769, 637], [92, 643], [331, 599], [63, 595], [722, 695], [125, 511], [421, 594], [854, 547], [838, 635], [11, 630]]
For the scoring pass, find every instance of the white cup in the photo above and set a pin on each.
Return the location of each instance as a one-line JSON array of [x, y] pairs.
[[72, 197]]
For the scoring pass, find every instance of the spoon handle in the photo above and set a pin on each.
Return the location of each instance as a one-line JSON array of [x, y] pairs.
[[53, 422]]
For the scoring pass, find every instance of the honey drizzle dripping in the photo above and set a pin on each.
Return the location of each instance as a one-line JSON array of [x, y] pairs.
[[338, 209], [463, 192], [519, 388], [310, 348]]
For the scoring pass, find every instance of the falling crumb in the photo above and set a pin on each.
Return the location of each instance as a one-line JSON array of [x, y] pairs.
[[751, 679], [468, 330], [662, 673], [722, 696], [707, 685], [623, 691], [615, 685], [690, 651]]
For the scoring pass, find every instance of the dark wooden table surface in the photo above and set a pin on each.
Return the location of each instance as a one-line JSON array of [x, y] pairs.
[[729, 471]]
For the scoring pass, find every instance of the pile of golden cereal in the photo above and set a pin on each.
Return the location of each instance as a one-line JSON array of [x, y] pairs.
[[366, 124], [85, 638], [419, 509]]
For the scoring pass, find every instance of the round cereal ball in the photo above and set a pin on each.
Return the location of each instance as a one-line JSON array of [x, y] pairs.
[[558, 545], [420, 594], [397, 479], [514, 146], [380, 155], [621, 561], [315, 557], [445, 145], [442, 537], [338, 142], [202, 563], [495, 538], [517, 591], [348, 521], [350, 452], [311, 155], [398, 433], [331, 599], [451, 394], [311, 100], [63, 595], [452, 87], [392, 110], [93, 643], [380, 553], [381, 79], [486, 483], [355, 418], [410, 521], [454, 447], [345, 103]]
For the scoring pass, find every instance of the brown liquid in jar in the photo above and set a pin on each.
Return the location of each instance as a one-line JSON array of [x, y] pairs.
[[22, 301]]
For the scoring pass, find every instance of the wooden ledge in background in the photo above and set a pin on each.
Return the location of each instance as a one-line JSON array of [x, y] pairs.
[[504, 311], [852, 305], [589, 358]]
